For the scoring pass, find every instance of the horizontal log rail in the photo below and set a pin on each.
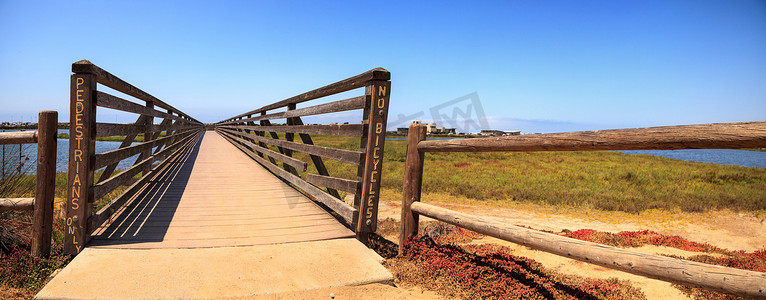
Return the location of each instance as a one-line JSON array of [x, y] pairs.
[[18, 137], [20, 204], [705, 136], [179, 130], [253, 133], [42, 203]]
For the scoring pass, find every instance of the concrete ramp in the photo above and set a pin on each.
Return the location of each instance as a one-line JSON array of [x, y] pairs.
[[215, 273]]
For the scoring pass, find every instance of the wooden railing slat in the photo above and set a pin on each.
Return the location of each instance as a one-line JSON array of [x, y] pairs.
[[296, 163], [114, 102], [114, 156], [346, 156], [113, 129], [340, 129], [272, 116], [341, 184], [332, 107], [125, 143]]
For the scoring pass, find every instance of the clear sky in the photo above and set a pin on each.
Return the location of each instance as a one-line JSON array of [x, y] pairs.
[[535, 66]]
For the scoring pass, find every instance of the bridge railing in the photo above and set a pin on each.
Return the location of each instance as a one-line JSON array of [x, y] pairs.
[[162, 142], [45, 185], [254, 133], [709, 136]]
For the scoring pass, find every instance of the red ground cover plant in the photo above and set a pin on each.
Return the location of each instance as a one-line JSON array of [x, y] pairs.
[[489, 272], [21, 273]]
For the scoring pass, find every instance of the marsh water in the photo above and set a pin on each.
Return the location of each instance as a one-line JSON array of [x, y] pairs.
[[11, 158]]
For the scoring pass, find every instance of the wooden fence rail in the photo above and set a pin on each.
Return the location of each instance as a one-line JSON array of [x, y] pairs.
[[42, 203], [254, 133], [84, 190], [708, 136]]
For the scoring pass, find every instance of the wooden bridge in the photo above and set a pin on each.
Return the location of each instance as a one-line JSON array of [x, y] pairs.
[[224, 213], [252, 208]]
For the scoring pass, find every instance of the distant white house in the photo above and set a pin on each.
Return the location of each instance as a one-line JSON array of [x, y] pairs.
[[492, 132], [431, 128]]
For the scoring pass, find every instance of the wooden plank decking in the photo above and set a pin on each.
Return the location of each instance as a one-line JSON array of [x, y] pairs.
[[216, 196]]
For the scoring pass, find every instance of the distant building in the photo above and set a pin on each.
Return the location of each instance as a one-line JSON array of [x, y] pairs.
[[431, 128], [492, 132]]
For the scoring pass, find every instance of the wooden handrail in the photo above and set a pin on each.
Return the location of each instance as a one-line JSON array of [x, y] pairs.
[[725, 135], [330, 89], [705, 136], [114, 82]]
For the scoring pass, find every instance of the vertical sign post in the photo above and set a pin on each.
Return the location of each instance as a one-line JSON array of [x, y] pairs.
[[82, 136], [378, 95]]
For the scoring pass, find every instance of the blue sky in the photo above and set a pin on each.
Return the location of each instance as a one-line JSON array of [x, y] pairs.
[[535, 66]]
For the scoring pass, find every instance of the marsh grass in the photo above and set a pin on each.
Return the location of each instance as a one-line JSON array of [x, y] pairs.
[[601, 180]]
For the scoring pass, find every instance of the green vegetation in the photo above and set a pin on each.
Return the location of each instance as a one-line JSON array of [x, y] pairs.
[[22, 275], [139, 138], [603, 180]]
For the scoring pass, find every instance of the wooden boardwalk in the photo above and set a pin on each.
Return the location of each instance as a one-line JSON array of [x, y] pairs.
[[214, 195]]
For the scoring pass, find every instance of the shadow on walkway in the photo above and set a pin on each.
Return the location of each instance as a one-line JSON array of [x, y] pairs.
[[147, 217]]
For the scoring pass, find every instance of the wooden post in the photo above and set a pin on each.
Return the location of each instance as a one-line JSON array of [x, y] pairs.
[[46, 183], [413, 181], [82, 146], [289, 136], [147, 138], [378, 94]]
